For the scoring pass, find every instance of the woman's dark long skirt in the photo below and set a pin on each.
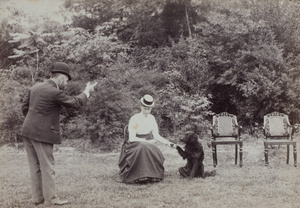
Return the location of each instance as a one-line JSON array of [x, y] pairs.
[[140, 159]]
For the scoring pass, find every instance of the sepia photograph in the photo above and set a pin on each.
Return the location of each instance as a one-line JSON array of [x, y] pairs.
[[149, 103]]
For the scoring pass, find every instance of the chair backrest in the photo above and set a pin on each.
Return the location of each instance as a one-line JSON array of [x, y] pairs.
[[225, 124], [125, 133], [276, 124]]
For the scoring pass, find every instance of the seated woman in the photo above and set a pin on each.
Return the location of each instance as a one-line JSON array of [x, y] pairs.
[[140, 159]]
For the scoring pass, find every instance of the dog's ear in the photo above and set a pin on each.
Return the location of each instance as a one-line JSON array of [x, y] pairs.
[[190, 137], [193, 137]]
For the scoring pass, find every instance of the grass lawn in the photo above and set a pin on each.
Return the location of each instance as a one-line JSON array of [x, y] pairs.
[[89, 180]]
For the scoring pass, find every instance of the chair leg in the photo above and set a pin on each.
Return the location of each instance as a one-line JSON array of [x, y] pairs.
[[295, 155], [241, 155], [214, 154], [287, 154], [236, 153], [266, 155]]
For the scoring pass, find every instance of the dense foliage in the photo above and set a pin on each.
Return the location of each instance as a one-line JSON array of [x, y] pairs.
[[196, 58]]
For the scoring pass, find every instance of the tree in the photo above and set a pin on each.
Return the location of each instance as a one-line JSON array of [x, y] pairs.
[[246, 60], [195, 57]]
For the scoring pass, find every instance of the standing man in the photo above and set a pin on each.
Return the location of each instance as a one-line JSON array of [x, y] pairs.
[[41, 129]]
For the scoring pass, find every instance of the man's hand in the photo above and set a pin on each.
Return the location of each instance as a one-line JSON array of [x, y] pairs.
[[89, 88]]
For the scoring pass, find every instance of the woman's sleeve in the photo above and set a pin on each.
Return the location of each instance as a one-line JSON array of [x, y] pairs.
[[131, 130], [132, 126]]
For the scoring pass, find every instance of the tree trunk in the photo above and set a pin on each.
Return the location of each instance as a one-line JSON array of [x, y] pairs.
[[188, 22]]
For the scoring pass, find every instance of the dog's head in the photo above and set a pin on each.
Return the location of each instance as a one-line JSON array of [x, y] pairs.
[[189, 137]]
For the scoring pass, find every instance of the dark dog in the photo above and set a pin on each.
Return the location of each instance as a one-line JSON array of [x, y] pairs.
[[193, 152]]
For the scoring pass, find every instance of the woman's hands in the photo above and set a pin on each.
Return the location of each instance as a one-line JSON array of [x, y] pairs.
[[173, 145]]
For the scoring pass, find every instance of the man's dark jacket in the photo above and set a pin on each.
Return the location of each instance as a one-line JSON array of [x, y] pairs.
[[41, 108]]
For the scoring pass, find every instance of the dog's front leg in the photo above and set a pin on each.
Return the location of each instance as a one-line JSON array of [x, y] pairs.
[[182, 153]]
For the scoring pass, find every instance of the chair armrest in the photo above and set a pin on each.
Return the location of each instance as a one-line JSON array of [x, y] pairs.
[[294, 129], [265, 133], [264, 130], [212, 132], [240, 130]]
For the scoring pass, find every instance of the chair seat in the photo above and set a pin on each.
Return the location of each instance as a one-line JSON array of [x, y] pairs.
[[281, 141], [226, 138], [228, 142]]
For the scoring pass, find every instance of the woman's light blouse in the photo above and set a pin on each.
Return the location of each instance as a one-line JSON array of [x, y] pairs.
[[140, 124]]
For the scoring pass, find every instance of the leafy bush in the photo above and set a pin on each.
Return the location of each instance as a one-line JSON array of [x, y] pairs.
[[10, 104], [236, 56]]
